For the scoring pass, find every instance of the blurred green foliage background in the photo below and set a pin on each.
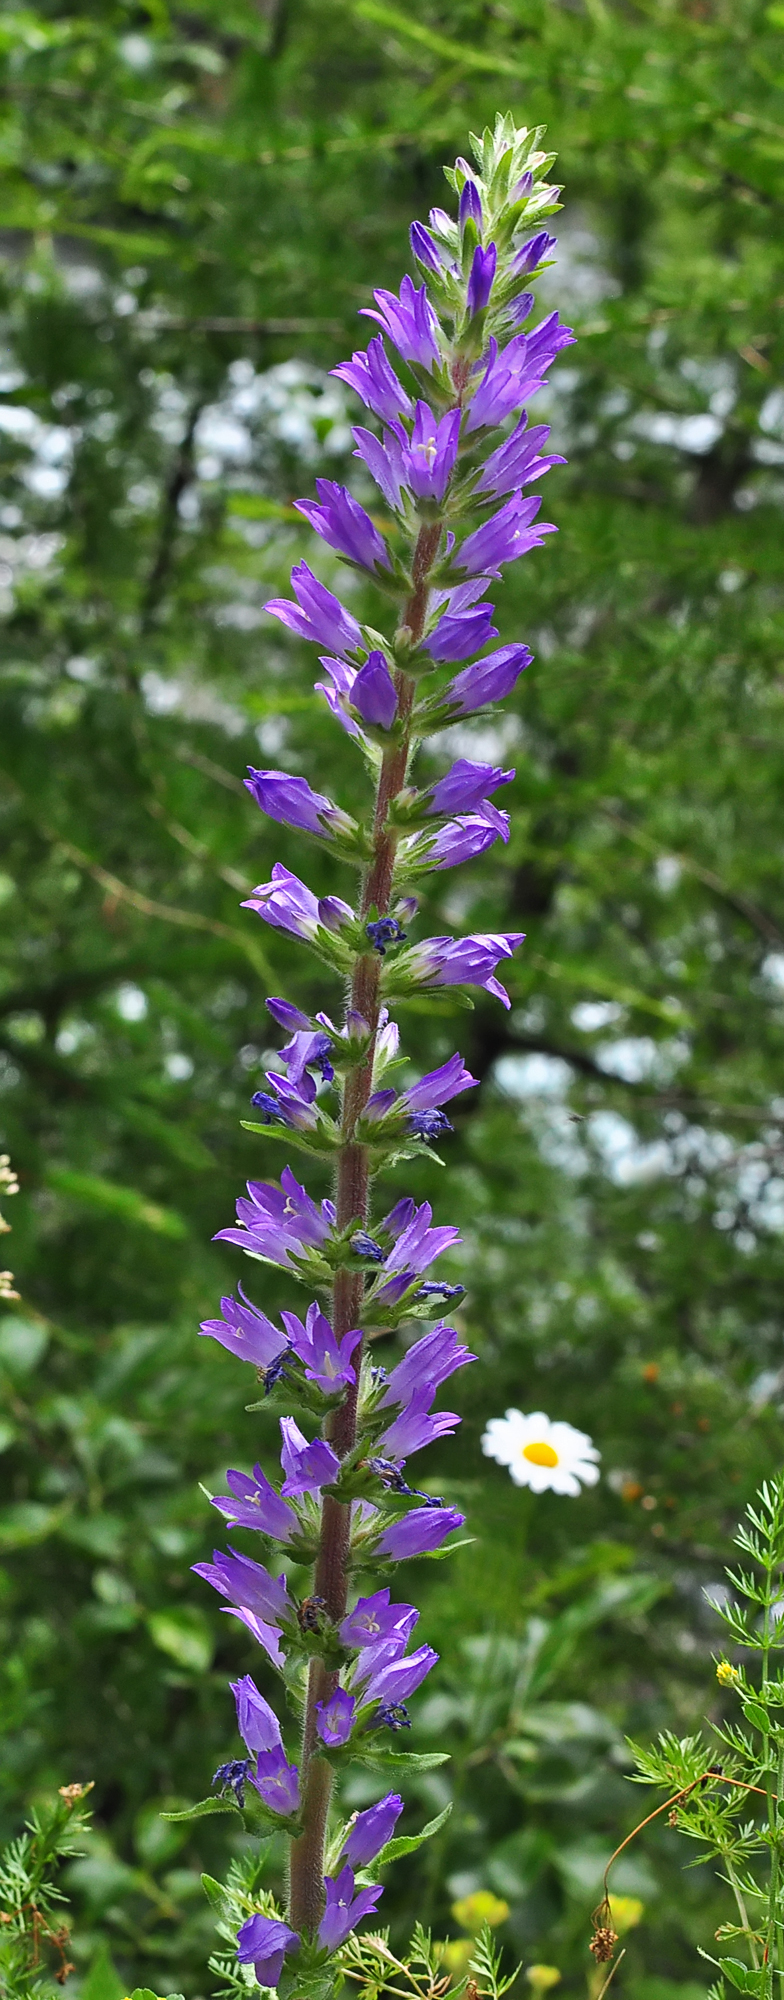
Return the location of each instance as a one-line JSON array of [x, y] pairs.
[[196, 201]]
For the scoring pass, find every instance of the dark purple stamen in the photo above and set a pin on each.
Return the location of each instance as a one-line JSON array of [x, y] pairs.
[[428, 1124], [320, 1058], [233, 1777], [275, 1370], [392, 1478], [431, 1289], [394, 1714], [386, 930], [365, 1246], [269, 1107]]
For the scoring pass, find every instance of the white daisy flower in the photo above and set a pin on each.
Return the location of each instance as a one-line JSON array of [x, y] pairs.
[[540, 1454]]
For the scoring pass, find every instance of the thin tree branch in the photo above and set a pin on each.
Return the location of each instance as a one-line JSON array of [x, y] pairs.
[[759, 919]]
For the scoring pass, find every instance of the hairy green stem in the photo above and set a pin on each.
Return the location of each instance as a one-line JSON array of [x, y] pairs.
[[306, 1867]]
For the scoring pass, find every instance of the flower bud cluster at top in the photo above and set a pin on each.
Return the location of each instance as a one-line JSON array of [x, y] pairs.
[[447, 380]]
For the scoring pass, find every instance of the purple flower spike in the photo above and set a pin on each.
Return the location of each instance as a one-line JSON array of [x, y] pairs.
[[425, 249], [335, 1718], [256, 1721], [371, 1830], [480, 283], [277, 1781], [507, 535], [417, 1534], [245, 1331], [439, 1085], [341, 522], [470, 205], [344, 1910], [460, 633], [256, 1505], [247, 1584], [326, 1361], [318, 615], [487, 680], [463, 961], [263, 1942], [292, 802], [374, 694], [410, 323], [430, 1361], [457, 519], [376, 383], [465, 786], [308, 1467]]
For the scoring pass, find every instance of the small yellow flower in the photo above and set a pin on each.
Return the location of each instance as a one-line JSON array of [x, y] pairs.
[[625, 1912], [480, 1908], [542, 1977], [727, 1675], [455, 1954]]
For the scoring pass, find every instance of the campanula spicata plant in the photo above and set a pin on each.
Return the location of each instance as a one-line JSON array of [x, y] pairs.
[[446, 379]]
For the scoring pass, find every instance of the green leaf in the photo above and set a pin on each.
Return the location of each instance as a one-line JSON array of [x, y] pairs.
[[103, 1982], [26, 1522], [408, 1843], [183, 1633], [90, 1191], [214, 1891], [447, 1549], [22, 1344], [744, 1977], [757, 1716], [147, 1993], [204, 1810], [382, 1759], [461, 53]]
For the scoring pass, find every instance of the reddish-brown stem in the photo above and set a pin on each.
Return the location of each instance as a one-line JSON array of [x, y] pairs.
[[677, 1799], [306, 1876]]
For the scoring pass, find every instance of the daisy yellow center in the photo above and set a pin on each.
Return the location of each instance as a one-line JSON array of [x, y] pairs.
[[540, 1454]]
